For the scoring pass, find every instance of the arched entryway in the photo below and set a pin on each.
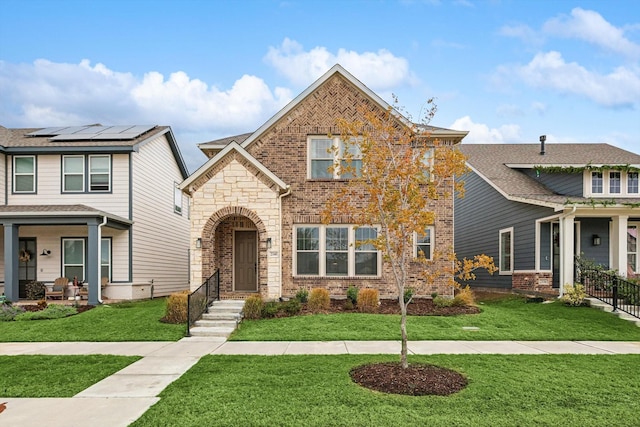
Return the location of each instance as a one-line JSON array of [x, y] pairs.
[[233, 241]]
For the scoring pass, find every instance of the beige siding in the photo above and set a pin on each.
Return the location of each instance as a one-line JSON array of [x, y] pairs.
[[49, 184], [160, 236]]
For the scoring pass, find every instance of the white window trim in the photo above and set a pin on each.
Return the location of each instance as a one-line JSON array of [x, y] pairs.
[[84, 260], [624, 184], [336, 156], [500, 233], [431, 229], [90, 173], [35, 167], [108, 264], [177, 199], [64, 174], [637, 252], [322, 244]]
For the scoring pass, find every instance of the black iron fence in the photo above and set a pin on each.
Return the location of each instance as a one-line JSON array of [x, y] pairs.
[[612, 289], [201, 298]]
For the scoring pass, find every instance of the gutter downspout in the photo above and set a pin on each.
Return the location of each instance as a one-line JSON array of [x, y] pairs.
[[104, 222], [562, 260], [280, 197]]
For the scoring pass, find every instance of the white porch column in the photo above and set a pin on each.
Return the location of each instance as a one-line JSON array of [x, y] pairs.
[[566, 251], [618, 238]]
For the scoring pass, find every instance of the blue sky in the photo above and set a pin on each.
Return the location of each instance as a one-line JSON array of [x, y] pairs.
[[507, 71]]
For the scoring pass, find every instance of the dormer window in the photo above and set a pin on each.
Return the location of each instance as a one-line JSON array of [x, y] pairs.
[[607, 183]]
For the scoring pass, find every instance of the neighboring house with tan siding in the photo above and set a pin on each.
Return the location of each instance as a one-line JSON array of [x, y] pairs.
[[256, 203], [93, 202]]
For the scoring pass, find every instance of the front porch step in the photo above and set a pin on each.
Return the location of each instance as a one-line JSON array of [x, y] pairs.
[[596, 303], [220, 320]]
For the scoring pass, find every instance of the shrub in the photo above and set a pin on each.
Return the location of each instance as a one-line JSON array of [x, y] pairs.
[[8, 312], [42, 304], [574, 295], [292, 307], [442, 302], [53, 311], [348, 305], [408, 294], [368, 300], [464, 297], [176, 311], [319, 300], [35, 290], [302, 295], [434, 294], [352, 295], [253, 307], [270, 309]]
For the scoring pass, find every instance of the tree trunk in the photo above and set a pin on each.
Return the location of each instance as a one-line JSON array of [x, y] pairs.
[[403, 329]]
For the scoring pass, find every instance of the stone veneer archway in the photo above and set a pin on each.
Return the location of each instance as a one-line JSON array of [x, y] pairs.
[[210, 247]]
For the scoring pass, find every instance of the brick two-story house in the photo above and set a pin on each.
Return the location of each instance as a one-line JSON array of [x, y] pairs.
[[93, 202], [256, 203]]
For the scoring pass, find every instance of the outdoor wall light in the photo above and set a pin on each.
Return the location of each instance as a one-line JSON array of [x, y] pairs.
[[198, 243], [45, 252], [596, 240], [268, 242]]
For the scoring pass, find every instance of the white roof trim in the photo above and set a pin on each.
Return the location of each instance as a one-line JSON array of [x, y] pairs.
[[335, 69], [240, 150]]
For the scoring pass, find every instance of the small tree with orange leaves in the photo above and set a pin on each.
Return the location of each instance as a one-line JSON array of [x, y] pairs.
[[396, 171]]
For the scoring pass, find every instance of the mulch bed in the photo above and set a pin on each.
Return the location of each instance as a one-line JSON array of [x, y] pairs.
[[416, 380], [35, 307], [417, 307]]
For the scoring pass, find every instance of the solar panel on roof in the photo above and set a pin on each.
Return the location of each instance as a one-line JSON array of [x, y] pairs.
[[77, 133], [46, 132], [71, 137]]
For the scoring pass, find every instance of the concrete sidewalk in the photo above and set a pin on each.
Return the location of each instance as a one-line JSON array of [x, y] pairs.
[[123, 397]]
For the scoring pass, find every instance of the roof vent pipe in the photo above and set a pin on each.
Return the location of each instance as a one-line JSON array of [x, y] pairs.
[[543, 138]]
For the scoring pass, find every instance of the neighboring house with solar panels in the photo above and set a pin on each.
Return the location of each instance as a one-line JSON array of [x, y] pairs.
[[100, 203], [533, 208], [256, 204]]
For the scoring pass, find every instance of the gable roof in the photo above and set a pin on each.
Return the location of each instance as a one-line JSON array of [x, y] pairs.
[[19, 141], [498, 165]]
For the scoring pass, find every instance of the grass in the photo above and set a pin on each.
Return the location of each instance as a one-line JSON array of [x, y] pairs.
[[55, 376], [501, 319], [503, 390], [129, 321]]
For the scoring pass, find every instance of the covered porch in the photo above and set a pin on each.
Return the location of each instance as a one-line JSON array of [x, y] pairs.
[[45, 242]]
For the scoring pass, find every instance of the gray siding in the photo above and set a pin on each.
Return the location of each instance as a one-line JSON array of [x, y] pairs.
[[589, 227], [569, 184], [479, 217]]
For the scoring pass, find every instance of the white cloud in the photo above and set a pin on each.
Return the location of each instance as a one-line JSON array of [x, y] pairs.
[[480, 133], [592, 27], [379, 70], [46, 93], [549, 70]]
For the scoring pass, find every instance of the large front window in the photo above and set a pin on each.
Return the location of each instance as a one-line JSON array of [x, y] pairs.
[[74, 258], [336, 250], [506, 251], [24, 174], [616, 183]]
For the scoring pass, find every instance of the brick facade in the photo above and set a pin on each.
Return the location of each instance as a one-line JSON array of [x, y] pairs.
[[532, 281], [233, 191]]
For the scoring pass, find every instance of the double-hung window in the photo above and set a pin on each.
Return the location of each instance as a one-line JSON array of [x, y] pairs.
[[336, 251], [74, 258], [614, 182], [73, 174], [24, 174], [423, 243], [506, 251], [632, 182], [596, 182], [329, 157], [91, 172]]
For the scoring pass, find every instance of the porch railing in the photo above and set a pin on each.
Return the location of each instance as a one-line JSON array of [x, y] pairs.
[[621, 294], [201, 298]]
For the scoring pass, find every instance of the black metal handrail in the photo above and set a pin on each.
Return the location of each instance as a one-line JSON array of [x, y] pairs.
[[201, 298], [612, 289]]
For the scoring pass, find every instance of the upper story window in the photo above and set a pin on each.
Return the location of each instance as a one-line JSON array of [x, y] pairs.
[[24, 174], [325, 153], [424, 243], [336, 251], [91, 172], [611, 183]]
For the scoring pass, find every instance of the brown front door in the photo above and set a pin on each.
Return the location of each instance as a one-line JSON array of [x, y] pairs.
[[245, 261]]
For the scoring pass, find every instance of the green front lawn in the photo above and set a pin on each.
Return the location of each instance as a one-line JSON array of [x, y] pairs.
[[502, 319], [56, 376], [129, 321], [503, 390]]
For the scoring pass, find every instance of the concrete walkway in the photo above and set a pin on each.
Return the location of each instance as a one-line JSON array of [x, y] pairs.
[[123, 397]]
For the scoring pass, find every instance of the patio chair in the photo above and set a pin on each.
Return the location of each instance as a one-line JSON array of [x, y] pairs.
[[83, 290], [58, 288]]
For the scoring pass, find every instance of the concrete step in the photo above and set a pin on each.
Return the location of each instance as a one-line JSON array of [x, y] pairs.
[[217, 315], [228, 303], [215, 323], [214, 331]]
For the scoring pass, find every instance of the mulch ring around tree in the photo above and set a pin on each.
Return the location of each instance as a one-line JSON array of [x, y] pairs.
[[415, 380], [417, 307]]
